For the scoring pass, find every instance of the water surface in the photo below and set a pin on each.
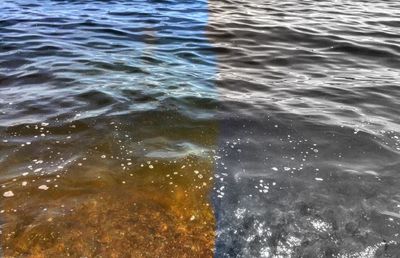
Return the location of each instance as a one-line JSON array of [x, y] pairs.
[[199, 128]]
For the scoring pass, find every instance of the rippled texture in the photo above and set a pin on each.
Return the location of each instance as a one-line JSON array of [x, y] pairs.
[[107, 129], [309, 140], [199, 129]]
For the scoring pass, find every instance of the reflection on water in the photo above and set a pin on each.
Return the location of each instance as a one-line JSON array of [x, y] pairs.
[[179, 128], [309, 122], [106, 129]]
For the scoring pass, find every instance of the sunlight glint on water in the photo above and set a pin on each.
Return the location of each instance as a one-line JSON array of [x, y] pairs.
[[107, 131]]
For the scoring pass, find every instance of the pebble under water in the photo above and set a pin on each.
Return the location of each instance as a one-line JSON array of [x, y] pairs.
[[230, 128]]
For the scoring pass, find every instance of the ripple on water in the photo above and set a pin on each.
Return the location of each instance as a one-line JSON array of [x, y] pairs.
[[119, 119]]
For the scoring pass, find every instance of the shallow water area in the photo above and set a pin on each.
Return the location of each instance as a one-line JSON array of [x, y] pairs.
[[227, 128], [106, 199], [309, 128], [106, 129]]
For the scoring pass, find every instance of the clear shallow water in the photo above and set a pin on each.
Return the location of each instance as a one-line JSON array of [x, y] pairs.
[[198, 129]]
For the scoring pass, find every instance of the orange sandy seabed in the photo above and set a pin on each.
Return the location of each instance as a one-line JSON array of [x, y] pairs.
[[162, 211]]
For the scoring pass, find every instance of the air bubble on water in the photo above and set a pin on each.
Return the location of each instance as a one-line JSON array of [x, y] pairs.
[[8, 194], [43, 187]]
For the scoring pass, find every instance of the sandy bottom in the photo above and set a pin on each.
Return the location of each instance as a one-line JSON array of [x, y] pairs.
[[160, 209]]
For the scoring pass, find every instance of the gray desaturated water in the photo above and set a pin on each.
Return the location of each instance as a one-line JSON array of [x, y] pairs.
[[295, 102], [309, 128]]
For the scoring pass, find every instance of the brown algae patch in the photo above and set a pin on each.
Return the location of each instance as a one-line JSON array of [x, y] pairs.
[[159, 208]]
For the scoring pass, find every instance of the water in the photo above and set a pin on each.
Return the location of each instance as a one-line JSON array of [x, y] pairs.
[[199, 128]]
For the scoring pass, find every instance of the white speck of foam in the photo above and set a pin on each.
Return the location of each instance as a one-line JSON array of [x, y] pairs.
[[43, 187], [8, 194]]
